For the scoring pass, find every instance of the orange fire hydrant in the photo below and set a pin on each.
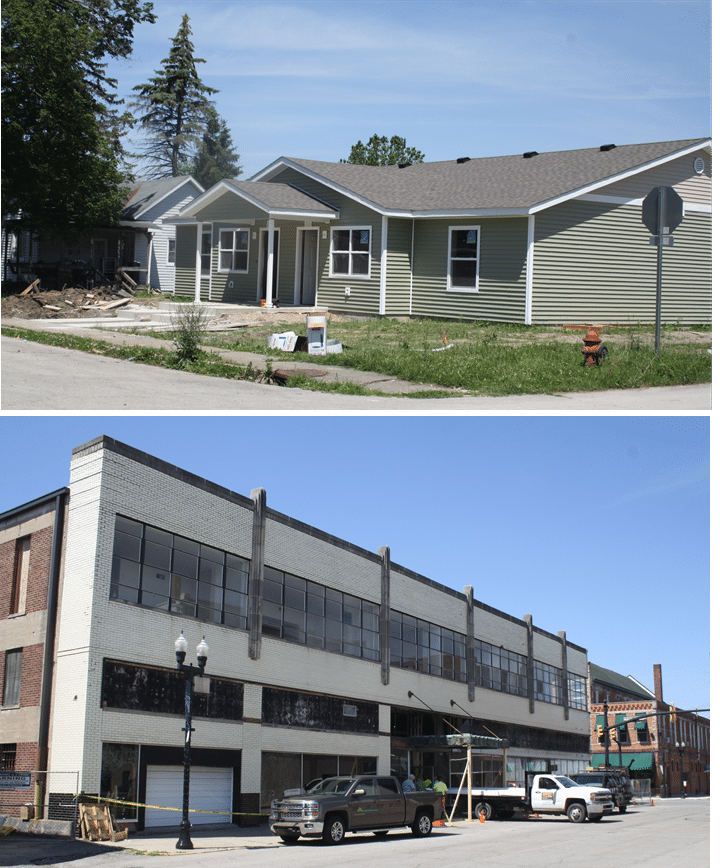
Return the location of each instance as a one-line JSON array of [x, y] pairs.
[[593, 349]]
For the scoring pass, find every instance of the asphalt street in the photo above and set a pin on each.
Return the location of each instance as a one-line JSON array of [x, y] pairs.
[[37, 378], [672, 832]]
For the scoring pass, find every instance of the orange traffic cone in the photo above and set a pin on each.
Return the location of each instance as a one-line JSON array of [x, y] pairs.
[[481, 817]]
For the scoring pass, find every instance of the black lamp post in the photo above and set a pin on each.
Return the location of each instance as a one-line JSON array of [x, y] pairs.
[[181, 645], [680, 745]]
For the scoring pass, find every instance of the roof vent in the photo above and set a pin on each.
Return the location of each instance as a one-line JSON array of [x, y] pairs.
[[607, 147], [528, 154], [463, 159], [404, 165]]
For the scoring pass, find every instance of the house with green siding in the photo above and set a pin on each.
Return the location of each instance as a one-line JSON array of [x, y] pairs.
[[531, 238]]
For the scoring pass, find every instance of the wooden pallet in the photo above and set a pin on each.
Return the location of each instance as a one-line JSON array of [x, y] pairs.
[[96, 824]]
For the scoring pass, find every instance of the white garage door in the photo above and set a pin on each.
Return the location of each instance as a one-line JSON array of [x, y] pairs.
[[210, 790]]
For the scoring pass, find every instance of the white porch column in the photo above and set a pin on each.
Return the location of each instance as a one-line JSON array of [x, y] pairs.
[[383, 264], [198, 261], [270, 261]]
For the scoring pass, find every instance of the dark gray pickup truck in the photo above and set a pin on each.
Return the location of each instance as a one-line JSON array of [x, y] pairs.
[[354, 804]]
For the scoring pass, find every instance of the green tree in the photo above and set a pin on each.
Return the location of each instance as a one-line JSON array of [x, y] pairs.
[[383, 152], [216, 157], [174, 108], [62, 167]]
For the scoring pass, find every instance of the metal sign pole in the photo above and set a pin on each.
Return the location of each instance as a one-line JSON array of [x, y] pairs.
[[658, 292]]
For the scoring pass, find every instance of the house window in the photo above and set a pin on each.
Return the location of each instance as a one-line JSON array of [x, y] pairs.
[[13, 668], [205, 250], [7, 757], [350, 252], [171, 251], [20, 579], [234, 245], [463, 258], [641, 729]]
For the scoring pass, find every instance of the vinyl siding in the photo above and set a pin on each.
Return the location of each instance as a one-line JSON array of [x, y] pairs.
[[398, 283], [185, 261], [593, 263], [364, 296], [501, 289], [161, 273], [680, 174]]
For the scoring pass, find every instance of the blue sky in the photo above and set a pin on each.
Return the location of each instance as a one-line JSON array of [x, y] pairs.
[[309, 78], [596, 526]]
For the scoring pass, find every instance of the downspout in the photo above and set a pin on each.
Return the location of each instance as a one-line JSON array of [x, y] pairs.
[[50, 630], [529, 264]]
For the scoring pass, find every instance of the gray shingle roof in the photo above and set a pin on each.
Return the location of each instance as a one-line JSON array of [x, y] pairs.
[[280, 197], [146, 193], [511, 183], [614, 679]]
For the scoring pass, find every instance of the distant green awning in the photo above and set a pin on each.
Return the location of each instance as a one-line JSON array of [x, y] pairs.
[[640, 761], [459, 740]]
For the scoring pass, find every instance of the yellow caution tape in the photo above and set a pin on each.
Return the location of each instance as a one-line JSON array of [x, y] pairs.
[[165, 808]]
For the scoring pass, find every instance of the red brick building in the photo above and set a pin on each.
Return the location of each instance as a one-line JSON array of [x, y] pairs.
[[672, 750], [31, 548]]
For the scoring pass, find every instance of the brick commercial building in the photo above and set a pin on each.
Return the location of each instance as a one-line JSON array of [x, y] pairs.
[[324, 657], [672, 750], [31, 539]]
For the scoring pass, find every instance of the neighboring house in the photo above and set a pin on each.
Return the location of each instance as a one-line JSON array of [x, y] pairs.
[[672, 750], [143, 242], [149, 208], [325, 658], [534, 238]]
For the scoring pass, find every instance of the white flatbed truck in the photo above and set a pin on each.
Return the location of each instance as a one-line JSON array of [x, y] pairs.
[[543, 794]]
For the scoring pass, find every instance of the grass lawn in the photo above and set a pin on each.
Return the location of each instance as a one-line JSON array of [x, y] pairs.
[[474, 358], [488, 359]]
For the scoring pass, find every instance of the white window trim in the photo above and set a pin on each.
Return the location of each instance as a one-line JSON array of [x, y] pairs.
[[221, 249], [349, 275], [450, 287], [172, 251]]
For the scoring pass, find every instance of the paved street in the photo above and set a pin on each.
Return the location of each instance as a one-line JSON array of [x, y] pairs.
[[673, 833], [37, 377]]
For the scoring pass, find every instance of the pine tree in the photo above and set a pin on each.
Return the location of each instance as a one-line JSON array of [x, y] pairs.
[[216, 157], [175, 108]]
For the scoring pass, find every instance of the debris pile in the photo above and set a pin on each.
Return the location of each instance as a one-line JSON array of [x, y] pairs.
[[70, 301]]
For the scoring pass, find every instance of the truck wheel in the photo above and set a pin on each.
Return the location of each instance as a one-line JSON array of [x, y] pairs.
[[290, 837], [576, 812], [422, 825], [333, 830], [484, 808]]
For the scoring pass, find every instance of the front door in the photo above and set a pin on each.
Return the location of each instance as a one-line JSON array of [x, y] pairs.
[[263, 270], [308, 265]]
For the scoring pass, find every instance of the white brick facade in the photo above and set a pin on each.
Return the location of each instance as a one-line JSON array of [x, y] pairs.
[[109, 479]]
